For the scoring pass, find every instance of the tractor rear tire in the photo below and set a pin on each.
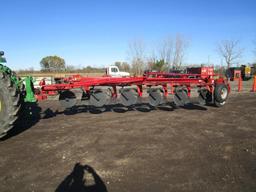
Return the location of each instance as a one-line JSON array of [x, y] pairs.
[[10, 104]]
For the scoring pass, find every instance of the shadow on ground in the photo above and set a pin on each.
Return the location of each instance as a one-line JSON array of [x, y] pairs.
[[31, 113], [83, 178], [118, 108]]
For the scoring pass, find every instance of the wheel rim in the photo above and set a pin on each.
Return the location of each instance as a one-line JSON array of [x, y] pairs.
[[224, 93], [223, 103]]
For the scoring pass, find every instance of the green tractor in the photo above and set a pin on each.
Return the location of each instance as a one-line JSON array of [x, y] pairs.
[[14, 93]]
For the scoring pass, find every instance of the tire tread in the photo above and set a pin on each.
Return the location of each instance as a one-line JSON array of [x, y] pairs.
[[13, 103]]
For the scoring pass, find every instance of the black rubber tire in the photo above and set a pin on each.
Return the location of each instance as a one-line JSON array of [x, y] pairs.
[[10, 104], [218, 93]]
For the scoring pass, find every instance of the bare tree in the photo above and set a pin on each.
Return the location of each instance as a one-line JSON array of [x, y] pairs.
[[151, 60], [230, 51], [171, 52], [137, 56], [166, 51], [123, 66], [180, 49]]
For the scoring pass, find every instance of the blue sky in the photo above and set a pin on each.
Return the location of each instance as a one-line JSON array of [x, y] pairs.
[[98, 32]]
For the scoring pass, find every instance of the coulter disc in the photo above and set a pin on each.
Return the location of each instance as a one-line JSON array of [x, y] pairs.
[[181, 97], [98, 98], [67, 99], [128, 97], [202, 97], [155, 97]]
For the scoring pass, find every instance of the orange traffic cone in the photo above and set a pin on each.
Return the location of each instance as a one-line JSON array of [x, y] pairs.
[[240, 84], [254, 84]]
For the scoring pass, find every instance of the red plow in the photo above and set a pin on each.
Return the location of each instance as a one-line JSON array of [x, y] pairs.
[[156, 87]]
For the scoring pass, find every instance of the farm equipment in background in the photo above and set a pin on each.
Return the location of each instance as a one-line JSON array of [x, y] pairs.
[[246, 72], [13, 94], [154, 88], [113, 71]]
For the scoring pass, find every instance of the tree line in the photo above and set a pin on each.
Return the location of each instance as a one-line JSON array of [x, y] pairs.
[[169, 54], [58, 64]]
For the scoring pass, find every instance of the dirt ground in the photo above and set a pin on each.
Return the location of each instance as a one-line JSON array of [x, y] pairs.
[[164, 149]]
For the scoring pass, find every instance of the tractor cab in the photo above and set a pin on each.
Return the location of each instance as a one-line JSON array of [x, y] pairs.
[[2, 59]]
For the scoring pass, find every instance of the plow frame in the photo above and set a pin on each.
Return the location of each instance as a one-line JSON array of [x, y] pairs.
[[167, 83]]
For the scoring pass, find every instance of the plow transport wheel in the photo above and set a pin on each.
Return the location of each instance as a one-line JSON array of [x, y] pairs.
[[220, 95], [98, 98], [67, 99], [128, 97], [155, 97]]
